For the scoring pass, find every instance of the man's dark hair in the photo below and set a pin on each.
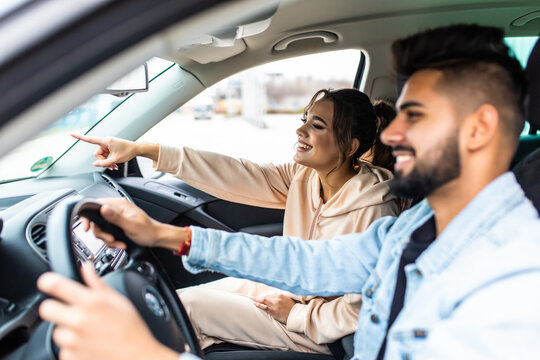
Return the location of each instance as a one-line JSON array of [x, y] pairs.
[[476, 66]]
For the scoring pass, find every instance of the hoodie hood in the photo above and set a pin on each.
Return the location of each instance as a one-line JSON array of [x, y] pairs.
[[370, 186]]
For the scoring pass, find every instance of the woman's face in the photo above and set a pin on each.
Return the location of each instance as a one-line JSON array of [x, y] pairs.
[[316, 147]]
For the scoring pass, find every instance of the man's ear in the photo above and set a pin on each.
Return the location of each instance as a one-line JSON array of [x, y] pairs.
[[354, 146], [480, 127]]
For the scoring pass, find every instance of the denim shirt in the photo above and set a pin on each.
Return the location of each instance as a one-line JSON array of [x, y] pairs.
[[473, 293]]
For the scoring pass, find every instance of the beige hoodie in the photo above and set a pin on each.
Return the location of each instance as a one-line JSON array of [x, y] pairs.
[[295, 188]]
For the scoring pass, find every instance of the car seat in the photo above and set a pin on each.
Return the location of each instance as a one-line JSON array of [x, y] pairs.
[[527, 170], [342, 349], [226, 351]]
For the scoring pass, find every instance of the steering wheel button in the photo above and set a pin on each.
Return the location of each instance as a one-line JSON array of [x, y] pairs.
[[154, 305], [146, 269]]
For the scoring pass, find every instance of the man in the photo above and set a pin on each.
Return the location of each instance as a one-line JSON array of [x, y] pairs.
[[453, 277]]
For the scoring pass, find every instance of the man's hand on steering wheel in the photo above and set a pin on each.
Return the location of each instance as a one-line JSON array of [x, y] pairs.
[[137, 226], [95, 321], [132, 312]]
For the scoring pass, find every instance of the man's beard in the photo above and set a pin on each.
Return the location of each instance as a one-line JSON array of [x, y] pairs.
[[432, 174]]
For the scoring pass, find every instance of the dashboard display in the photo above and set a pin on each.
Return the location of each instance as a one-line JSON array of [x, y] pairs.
[[88, 239]]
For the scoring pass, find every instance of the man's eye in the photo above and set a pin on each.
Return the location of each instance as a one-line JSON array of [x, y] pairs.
[[412, 115], [319, 127]]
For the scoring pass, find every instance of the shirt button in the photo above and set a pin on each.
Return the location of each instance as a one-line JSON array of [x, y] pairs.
[[374, 318], [369, 292], [418, 272]]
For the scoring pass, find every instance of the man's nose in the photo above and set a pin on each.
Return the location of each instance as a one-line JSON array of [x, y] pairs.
[[394, 133]]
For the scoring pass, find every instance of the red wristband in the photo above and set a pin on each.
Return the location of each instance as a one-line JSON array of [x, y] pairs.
[[183, 248]]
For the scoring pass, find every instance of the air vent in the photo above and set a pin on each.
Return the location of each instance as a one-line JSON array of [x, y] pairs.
[[38, 237], [108, 181], [113, 184]]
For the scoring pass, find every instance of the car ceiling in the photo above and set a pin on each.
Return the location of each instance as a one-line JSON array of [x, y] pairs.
[[367, 25]]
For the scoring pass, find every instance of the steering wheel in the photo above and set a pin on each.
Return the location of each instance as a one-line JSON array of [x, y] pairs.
[[143, 281]]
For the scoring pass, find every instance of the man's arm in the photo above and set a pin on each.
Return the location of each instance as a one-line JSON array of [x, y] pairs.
[[324, 268]]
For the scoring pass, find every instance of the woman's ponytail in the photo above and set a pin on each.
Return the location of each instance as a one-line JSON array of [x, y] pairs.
[[380, 154]]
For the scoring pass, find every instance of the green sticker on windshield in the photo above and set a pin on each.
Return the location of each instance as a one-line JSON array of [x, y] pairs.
[[41, 164]]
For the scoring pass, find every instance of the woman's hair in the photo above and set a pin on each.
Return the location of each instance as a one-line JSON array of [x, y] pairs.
[[355, 117], [380, 154]]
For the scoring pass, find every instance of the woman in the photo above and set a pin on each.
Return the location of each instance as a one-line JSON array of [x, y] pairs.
[[327, 191]]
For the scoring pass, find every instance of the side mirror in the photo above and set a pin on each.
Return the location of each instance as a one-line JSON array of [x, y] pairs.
[[135, 81]]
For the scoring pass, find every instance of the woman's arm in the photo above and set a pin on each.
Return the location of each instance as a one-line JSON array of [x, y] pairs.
[[229, 178], [325, 321], [225, 177]]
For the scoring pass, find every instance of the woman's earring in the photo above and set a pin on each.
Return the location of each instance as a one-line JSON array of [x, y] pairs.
[[355, 165]]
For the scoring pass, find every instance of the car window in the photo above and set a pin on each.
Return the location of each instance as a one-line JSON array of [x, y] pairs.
[[522, 47], [37, 154], [254, 114]]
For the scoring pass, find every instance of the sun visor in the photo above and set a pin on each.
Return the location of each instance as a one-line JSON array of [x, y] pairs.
[[225, 43]]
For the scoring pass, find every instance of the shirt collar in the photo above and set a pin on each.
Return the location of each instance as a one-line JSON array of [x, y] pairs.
[[425, 234], [487, 207]]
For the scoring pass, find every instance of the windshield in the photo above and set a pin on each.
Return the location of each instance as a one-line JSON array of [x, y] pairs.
[[37, 154]]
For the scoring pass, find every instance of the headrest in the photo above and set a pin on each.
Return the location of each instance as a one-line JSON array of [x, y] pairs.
[[526, 172], [532, 111]]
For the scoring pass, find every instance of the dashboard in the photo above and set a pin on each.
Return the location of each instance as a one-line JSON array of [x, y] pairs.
[[25, 209], [85, 245], [26, 205]]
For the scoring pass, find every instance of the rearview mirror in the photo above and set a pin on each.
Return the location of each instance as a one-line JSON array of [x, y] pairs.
[[135, 81]]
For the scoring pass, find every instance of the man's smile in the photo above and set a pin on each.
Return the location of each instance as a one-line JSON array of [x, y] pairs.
[[405, 158]]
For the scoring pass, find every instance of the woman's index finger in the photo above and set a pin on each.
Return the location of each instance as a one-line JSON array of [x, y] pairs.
[[89, 139]]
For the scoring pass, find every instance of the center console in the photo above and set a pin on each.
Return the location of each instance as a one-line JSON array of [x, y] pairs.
[[87, 247]]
